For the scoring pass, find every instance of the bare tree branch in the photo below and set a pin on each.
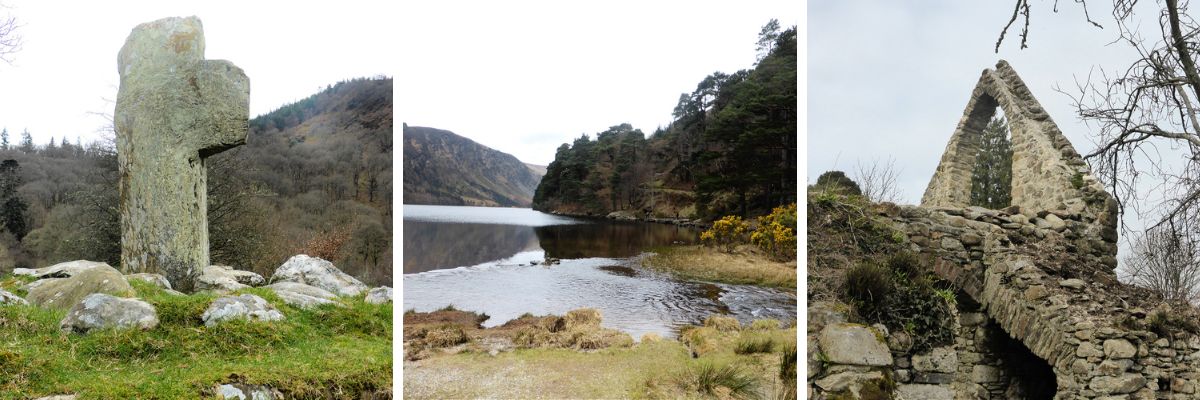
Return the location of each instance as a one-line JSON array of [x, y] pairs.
[[10, 40], [879, 180]]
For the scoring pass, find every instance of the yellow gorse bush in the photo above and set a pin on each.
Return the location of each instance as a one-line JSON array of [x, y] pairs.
[[776, 232], [726, 232]]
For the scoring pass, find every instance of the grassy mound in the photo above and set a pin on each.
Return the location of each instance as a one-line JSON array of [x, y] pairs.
[[746, 265], [314, 353]]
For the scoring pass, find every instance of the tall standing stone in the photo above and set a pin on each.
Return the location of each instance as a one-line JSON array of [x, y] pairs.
[[174, 109]]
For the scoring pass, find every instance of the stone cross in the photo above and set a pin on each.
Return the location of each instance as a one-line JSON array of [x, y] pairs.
[[174, 109]]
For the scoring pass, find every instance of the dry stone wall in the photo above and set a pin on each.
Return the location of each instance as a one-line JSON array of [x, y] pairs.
[[1060, 301]]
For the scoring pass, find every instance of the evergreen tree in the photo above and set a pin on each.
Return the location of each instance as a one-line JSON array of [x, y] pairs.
[[26, 142], [4, 139], [12, 207], [991, 179]]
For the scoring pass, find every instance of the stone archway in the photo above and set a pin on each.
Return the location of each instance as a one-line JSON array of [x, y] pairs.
[[1041, 269], [1048, 175]]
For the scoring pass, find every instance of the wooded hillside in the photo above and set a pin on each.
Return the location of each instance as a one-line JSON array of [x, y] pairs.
[[729, 150]]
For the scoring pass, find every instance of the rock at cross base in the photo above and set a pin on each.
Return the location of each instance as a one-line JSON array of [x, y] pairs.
[[320, 273], [101, 311], [246, 306], [64, 293], [174, 109], [379, 295]]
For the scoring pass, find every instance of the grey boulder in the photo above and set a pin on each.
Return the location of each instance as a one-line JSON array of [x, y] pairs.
[[102, 311], [379, 295], [225, 279], [246, 306], [320, 273], [64, 293], [155, 279], [845, 343]]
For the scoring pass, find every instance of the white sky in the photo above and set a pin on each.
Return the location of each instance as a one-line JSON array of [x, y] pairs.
[[891, 79], [289, 50], [525, 78]]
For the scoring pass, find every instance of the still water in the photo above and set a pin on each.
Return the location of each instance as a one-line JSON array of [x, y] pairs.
[[481, 259]]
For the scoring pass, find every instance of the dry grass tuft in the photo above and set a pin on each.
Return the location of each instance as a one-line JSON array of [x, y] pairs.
[[701, 340], [765, 325], [582, 318], [651, 338], [722, 323], [445, 336], [754, 342]]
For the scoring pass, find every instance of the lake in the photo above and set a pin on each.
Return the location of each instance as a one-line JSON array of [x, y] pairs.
[[482, 259]]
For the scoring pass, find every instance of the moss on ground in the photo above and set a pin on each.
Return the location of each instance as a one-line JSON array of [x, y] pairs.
[[317, 353]]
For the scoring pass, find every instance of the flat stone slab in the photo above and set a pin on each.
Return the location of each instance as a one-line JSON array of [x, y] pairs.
[[60, 270], [246, 306], [845, 343], [102, 311], [320, 273], [939, 359], [924, 392], [301, 295]]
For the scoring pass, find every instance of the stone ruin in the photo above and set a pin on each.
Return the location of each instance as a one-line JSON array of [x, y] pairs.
[[1040, 312], [174, 109]]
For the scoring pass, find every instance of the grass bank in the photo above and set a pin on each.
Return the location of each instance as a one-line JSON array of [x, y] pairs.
[[745, 265], [721, 360], [326, 352]]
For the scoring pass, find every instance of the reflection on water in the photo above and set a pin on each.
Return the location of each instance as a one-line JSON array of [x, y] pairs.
[[481, 259], [439, 237], [610, 238], [483, 215], [435, 245]]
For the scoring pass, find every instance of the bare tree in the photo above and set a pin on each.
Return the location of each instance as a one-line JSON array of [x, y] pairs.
[[878, 180], [10, 40], [1166, 259], [1145, 116]]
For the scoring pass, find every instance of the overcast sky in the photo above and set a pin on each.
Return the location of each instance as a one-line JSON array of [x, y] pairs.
[[892, 79], [525, 78], [289, 50]]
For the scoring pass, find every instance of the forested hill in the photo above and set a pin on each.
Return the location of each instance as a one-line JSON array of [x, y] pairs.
[[729, 150], [313, 178], [443, 168]]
